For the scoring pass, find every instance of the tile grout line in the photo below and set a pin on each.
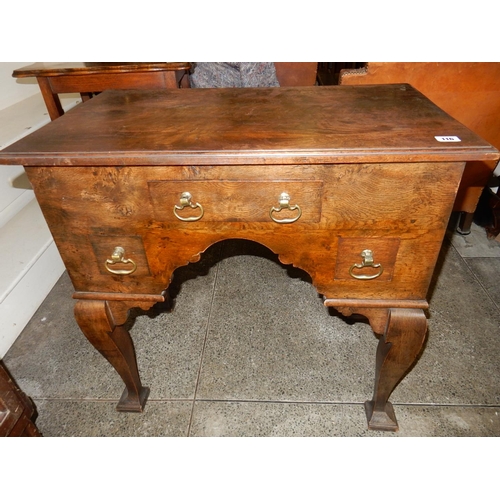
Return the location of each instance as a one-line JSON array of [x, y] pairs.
[[348, 403], [277, 401], [207, 329], [476, 278]]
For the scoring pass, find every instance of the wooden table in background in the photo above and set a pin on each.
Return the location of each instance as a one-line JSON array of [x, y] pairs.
[[354, 185], [89, 78]]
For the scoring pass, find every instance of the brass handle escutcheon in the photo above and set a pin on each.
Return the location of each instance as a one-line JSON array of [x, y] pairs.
[[117, 257], [366, 262], [284, 202], [185, 201]]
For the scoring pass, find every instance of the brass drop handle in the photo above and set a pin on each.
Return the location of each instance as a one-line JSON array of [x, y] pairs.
[[184, 202], [366, 262], [117, 257], [284, 203]]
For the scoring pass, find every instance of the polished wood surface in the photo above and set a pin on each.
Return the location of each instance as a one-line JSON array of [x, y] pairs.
[[470, 92], [89, 78], [86, 68], [17, 412], [300, 126], [370, 193], [296, 74]]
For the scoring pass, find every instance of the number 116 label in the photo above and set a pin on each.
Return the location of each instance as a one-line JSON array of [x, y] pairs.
[[447, 138]]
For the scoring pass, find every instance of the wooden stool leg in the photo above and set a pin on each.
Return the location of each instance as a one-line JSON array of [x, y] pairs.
[[52, 101], [112, 340], [465, 223], [397, 350]]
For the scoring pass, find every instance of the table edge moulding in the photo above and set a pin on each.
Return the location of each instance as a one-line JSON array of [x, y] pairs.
[[354, 185]]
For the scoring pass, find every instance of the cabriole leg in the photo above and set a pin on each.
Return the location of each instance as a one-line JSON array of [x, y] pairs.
[[101, 322], [397, 350]]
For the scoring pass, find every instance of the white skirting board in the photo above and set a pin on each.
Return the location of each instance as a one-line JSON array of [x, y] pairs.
[[30, 264], [30, 267]]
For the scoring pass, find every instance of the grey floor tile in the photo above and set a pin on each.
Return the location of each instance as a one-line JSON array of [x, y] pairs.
[[276, 361], [73, 418], [271, 338], [169, 346], [53, 359], [460, 362], [487, 272], [475, 244], [337, 420]]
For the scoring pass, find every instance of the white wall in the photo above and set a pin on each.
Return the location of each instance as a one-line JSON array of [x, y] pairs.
[[30, 264], [14, 123], [15, 90]]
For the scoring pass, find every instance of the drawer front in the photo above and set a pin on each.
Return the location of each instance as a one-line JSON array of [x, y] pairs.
[[120, 255], [398, 213], [236, 201], [366, 259]]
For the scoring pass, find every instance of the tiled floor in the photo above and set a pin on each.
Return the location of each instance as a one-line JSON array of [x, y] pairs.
[[250, 350]]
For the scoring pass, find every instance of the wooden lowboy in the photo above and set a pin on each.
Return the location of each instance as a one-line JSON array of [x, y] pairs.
[[354, 185]]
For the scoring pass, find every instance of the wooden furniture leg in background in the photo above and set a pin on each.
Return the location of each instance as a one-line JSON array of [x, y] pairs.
[[88, 79], [102, 323], [397, 350], [52, 101], [465, 223], [17, 411]]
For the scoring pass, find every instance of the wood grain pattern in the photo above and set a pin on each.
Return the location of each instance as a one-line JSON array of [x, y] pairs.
[[89, 78], [397, 350], [88, 68], [17, 411], [101, 322], [470, 92], [236, 201], [293, 125], [92, 210], [362, 163]]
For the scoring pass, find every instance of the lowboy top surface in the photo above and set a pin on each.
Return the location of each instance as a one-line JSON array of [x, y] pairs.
[[382, 123]]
